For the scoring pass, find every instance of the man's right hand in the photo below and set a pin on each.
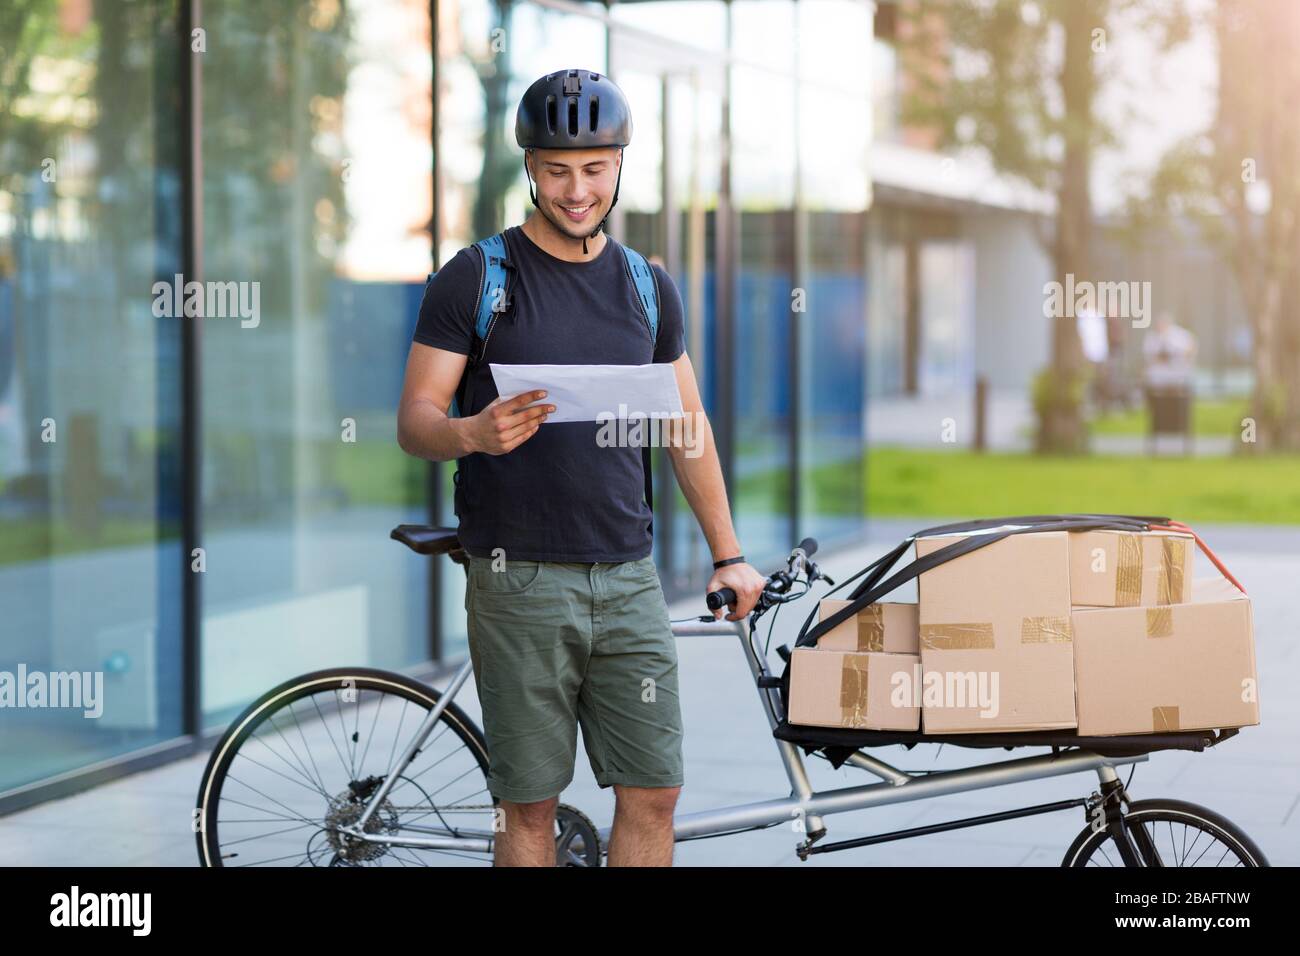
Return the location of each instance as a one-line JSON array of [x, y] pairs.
[[505, 425]]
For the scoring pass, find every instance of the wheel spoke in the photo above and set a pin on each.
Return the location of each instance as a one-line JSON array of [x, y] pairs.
[[374, 723], [302, 768], [306, 786], [325, 727], [301, 733], [392, 753]]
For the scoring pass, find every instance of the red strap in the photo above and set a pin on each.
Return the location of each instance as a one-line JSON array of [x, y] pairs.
[[1214, 558]]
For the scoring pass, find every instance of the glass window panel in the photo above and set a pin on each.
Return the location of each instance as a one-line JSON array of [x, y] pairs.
[[318, 201], [90, 558], [763, 187]]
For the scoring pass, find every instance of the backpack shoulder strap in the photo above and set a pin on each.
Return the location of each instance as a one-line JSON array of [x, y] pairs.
[[492, 296], [647, 293], [647, 290]]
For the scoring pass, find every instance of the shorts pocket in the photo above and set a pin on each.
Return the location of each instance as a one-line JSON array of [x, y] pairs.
[[643, 569], [512, 578]]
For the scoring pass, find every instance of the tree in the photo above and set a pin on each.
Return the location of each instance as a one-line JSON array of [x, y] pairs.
[[1020, 81], [1240, 182], [501, 160]]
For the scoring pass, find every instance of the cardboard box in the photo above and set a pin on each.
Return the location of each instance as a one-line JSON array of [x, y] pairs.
[[1174, 667], [1131, 569], [995, 634], [887, 627], [855, 689]]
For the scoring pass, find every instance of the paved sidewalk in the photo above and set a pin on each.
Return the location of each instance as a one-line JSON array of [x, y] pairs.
[[1253, 779], [948, 421]]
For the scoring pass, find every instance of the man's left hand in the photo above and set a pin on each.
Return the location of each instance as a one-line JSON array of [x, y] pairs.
[[745, 581]]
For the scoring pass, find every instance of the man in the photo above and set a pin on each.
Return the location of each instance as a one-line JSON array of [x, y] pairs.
[[567, 620]]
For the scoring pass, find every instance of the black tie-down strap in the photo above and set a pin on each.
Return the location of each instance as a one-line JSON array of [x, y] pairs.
[[872, 589]]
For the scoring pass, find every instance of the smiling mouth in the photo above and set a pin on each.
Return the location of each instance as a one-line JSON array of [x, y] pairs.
[[578, 213]]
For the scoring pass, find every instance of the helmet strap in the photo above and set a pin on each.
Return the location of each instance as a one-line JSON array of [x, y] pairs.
[[614, 202], [531, 194]]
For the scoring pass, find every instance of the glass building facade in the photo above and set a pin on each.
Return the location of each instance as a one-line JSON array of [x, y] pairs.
[[197, 507]]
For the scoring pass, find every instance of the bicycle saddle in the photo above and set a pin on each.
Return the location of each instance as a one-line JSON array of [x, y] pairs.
[[426, 539]]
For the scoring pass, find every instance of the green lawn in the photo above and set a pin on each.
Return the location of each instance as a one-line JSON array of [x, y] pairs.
[[1209, 417], [378, 473], [33, 539], [906, 482]]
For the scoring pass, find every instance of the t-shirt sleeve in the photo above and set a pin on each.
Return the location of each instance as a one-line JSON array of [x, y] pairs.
[[447, 310], [671, 340]]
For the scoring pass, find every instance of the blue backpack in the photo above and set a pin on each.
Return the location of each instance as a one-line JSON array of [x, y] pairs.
[[494, 300]]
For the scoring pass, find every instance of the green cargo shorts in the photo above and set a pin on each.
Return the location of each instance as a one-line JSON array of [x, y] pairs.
[[558, 645]]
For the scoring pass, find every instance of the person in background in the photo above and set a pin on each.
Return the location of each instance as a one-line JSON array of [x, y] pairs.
[[1121, 392], [1169, 356], [1092, 338], [1169, 351]]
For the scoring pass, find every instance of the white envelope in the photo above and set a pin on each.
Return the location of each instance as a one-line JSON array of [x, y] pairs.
[[593, 393]]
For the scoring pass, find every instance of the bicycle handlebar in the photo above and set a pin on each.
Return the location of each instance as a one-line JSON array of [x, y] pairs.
[[720, 598], [797, 562]]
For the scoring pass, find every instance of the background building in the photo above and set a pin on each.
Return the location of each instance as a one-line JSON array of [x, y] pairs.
[[330, 154]]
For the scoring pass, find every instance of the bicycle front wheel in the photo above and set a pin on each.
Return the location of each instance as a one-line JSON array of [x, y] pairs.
[[1169, 833], [302, 762]]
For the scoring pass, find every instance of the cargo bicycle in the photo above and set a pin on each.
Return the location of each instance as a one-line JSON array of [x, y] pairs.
[[355, 766]]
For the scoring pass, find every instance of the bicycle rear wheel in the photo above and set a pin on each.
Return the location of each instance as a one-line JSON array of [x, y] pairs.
[[1170, 833], [303, 760]]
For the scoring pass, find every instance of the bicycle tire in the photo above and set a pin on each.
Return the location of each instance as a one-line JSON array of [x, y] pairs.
[[285, 694]]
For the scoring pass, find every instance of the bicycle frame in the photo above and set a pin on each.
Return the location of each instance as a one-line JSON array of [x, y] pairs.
[[803, 804]]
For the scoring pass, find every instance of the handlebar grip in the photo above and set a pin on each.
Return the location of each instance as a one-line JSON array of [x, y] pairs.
[[720, 598], [808, 546]]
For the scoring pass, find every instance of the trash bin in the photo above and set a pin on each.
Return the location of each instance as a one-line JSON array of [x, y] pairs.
[[1170, 410]]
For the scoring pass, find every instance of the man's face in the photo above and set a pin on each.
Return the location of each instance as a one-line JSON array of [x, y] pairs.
[[575, 186]]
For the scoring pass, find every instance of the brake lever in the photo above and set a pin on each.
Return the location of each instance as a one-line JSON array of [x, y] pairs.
[[815, 574]]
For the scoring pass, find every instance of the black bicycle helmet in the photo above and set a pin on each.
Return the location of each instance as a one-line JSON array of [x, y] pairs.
[[574, 109]]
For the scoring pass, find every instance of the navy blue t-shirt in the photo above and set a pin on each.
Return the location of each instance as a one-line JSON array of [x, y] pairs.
[[559, 496]]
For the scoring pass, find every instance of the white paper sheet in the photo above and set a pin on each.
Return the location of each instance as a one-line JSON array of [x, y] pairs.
[[591, 393]]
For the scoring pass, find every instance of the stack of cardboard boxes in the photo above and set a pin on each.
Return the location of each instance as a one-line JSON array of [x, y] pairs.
[[1100, 631], [850, 678]]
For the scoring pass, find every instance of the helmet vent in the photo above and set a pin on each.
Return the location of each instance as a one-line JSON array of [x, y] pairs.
[[573, 116], [552, 121], [593, 105]]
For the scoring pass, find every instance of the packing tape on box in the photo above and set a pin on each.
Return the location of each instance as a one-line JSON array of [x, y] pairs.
[[1173, 561], [1128, 571], [957, 637], [1160, 621], [853, 691], [1046, 630], [871, 628], [1164, 719]]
